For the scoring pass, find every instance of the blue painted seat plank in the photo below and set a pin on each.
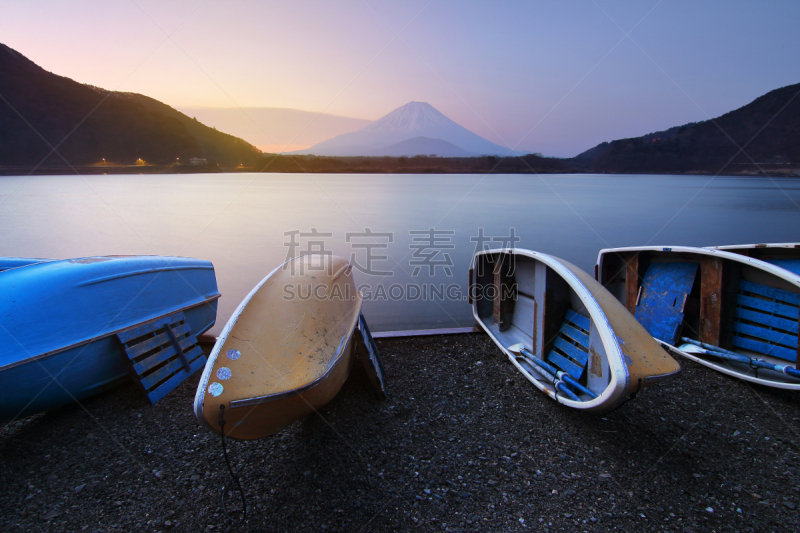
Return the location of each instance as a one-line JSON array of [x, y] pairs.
[[792, 265], [776, 337], [768, 306], [159, 352], [764, 348], [176, 380], [574, 352], [153, 379], [575, 334], [766, 320], [154, 342], [579, 320], [565, 364], [771, 292], [663, 293], [166, 353]]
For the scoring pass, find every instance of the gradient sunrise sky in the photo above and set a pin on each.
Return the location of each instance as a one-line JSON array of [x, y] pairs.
[[549, 77]]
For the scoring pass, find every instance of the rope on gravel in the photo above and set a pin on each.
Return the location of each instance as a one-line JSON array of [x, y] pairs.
[[230, 469]]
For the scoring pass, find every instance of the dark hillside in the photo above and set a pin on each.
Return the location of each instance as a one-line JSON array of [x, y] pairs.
[[768, 129], [39, 109]]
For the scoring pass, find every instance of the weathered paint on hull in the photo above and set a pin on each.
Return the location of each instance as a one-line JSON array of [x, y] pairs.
[[281, 356]]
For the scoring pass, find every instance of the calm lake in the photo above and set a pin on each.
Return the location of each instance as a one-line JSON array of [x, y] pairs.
[[423, 228]]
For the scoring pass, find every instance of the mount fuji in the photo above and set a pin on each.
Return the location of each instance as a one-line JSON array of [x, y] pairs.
[[416, 128]]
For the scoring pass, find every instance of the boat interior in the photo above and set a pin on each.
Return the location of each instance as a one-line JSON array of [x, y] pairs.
[[787, 257], [519, 299], [710, 299]]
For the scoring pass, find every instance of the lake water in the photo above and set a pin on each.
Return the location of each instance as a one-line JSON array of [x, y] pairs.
[[246, 224]]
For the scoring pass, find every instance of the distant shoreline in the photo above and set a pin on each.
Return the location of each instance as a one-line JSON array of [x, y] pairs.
[[169, 170], [298, 164]]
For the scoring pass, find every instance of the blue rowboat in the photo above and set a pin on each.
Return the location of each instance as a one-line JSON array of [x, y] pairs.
[[7, 263], [73, 328]]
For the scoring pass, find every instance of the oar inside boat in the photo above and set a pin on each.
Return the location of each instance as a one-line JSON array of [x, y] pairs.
[[565, 333], [520, 351], [693, 346]]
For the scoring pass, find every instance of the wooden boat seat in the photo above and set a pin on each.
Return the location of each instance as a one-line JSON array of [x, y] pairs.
[[662, 298], [161, 354], [766, 320], [570, 351]]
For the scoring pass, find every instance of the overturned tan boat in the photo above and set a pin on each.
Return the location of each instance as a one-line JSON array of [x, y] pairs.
[[287, 349], [563, 331]]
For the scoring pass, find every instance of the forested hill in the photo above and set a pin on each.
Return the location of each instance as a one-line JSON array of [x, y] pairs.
[[39, 110], [768, 130]]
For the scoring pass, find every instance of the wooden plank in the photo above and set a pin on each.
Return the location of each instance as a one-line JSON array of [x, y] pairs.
[[665, 288], [471, 285], [139, 331], [768, 306], [575, 353], [579, 320], [765, 319], [631, 281], [155, 395], [141, 367], [565, 364], [710, 300], [540, 309], [147, 345], [598, 375], [136, 350], [575, 334], [153, 379], [764, 348], [777, 337], [772, 292], [498, 292]]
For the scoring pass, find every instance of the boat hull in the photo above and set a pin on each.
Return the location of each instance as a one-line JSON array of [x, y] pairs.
[[60, 320], [285, 352], [710, 308], [622, 357]]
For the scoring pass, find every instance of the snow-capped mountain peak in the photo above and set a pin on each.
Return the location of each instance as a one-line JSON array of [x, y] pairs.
[[414, 120]]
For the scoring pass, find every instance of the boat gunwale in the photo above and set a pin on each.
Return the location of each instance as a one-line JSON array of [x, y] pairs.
[[619, 382], [712, 252], [775, 270], [202, 386]]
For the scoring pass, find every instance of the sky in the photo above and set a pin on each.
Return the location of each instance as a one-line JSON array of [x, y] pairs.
[[549, 77]]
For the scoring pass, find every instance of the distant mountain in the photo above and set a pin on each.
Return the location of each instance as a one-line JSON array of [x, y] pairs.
[[768, 129], [413, 120], [39, 109], [422, 146]]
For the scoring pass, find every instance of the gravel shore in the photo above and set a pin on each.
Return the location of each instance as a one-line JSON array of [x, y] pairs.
[[463, 443]]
